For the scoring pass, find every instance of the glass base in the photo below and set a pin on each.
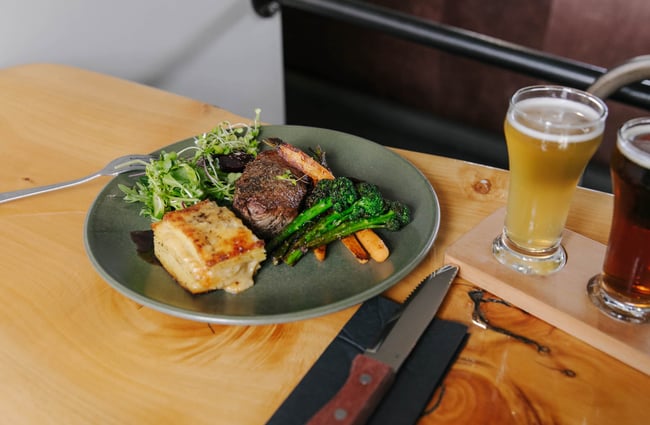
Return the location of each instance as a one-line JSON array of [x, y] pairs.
[[612, 307], [532, 264]]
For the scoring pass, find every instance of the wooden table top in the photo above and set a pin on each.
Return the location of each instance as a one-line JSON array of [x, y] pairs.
[[74, 351]]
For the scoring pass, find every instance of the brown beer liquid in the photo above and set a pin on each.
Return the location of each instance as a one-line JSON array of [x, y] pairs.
[[627, 262]]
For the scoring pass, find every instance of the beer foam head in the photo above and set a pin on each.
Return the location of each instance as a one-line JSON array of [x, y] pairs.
[[556, 119], [634, 141]]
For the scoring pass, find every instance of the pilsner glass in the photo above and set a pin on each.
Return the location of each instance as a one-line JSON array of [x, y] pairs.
[[551, 133], [622, 290]]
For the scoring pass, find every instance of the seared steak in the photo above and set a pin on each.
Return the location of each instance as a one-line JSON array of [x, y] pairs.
[[268, 194]]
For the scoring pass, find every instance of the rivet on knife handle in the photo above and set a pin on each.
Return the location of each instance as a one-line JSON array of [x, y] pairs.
[[365, 387]]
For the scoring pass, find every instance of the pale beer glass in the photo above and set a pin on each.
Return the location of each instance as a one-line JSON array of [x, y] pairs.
[[551, 133], [622, 290]]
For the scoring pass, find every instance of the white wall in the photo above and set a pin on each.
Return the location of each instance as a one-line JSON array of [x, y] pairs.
[[216, 51]]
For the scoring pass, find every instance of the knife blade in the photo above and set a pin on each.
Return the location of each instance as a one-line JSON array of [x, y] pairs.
[[373, 371]]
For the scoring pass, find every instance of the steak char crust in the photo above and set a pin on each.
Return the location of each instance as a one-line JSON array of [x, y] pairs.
[[265, 202]]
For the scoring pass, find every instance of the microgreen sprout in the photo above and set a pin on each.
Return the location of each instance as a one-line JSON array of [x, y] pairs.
[[290, 177], [177, 180], [227, 138]]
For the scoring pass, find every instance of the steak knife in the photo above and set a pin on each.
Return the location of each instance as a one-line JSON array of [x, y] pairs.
[[373, 371]]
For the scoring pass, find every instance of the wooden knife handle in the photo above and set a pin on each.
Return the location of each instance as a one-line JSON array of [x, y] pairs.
[[354, 403]]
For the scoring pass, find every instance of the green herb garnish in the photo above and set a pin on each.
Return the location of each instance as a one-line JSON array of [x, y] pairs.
[[288, 176], [177, 180]]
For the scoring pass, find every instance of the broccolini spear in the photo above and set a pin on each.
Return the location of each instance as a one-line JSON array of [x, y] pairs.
[[369, 202], [337, 194], [363, 245], [369, 211]]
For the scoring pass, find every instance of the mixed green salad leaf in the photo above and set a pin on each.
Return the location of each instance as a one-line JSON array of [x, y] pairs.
[[177, 180]]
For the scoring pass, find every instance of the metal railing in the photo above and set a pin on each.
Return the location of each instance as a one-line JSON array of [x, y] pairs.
[[490, 50]]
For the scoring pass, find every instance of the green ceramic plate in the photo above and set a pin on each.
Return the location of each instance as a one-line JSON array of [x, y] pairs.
[[281, 293]]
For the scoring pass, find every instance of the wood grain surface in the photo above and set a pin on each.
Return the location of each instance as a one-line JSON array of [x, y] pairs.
[[74, 351], [560, 298]]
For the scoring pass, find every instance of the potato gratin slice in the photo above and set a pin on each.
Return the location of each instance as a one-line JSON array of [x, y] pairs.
[[206, 247]]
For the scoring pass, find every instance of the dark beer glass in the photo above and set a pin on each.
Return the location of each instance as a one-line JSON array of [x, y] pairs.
[[622, 290]]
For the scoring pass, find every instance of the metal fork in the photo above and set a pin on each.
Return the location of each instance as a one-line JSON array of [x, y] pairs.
[[123, 164]]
